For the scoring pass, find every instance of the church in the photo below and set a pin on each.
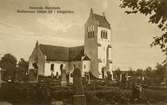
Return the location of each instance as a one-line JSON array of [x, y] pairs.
[[93, 57]]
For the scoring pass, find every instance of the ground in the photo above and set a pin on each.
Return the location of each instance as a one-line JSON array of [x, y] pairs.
[[28, 93]]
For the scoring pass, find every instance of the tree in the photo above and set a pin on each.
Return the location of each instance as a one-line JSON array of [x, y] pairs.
[[22, 69], [8, 63], [156, 75], [156, 11], [160, 72]]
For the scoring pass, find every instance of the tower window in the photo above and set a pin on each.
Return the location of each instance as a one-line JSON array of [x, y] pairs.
[[91, 34], [101, 34]]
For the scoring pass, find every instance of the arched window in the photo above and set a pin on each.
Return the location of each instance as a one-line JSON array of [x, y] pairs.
[[104, 34], [61, 67], [91, 32], [52, 67]]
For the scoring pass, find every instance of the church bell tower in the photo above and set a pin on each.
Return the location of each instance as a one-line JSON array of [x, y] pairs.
[[98, 44]]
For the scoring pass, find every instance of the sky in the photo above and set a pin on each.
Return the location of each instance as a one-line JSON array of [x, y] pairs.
[[131, 34]]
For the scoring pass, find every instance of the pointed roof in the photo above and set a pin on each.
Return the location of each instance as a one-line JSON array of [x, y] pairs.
[[91, 11], [102, 21], [36, 43]]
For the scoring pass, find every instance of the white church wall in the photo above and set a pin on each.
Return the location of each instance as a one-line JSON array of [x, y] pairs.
[[110, 54], [37, 57], [57, 64], [102, 49], [103, 42], [100, 66]]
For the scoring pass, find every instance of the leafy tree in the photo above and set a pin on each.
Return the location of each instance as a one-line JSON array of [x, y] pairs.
[[156, 75], [156, 10], [160, 72], [8, 63]]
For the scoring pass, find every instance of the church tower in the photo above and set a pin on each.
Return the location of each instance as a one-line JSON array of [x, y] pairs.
[[98, 44]]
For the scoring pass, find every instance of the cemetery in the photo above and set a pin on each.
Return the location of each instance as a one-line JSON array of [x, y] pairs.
[[101, 92]]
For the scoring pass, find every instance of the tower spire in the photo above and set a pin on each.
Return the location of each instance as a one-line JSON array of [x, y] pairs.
[[91, 11], [104, 14], [36, 45]]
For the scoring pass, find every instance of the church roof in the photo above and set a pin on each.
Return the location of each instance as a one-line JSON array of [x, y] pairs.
[[59, 53], [76, 53], [54, 52], [102, 21]]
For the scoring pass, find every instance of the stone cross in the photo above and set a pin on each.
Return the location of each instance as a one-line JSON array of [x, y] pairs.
[[63, 76], [77, 84]]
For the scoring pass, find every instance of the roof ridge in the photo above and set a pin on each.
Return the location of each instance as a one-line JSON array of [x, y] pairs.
[[52, 45], [61, 46], [77, 46]]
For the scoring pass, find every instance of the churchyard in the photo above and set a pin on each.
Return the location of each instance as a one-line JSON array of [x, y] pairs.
[[116, 90], [98, 92]]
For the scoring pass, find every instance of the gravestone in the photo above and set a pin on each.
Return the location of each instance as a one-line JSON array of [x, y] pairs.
[[32, 75], [63, 76], [54, 102], [78, 97], [77, 85]]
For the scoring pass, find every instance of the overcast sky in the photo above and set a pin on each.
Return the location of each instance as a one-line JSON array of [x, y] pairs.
[[131, 34]]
